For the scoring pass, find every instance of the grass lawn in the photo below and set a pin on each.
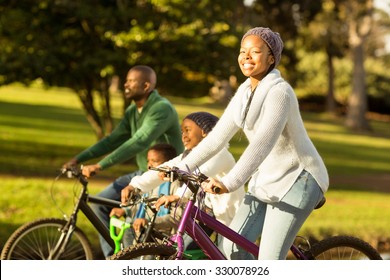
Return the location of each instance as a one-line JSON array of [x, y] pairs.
[[42, 129]]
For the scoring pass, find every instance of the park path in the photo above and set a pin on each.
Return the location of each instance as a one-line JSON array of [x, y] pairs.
[[379, 183]]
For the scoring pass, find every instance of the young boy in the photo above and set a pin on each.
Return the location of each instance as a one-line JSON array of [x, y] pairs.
[[156, 155]]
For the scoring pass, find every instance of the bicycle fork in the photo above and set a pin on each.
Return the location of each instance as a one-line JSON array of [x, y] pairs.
[[66, 232], [66, 235]]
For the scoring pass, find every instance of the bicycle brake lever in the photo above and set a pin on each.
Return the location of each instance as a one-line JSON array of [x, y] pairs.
[[68, 172]]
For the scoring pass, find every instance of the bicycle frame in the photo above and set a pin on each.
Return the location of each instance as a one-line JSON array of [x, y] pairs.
[[187, 224], [83, 205]]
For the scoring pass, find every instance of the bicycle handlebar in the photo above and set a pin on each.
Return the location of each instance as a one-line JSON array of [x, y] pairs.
[[175, 173], [71, 171], [75, 172]]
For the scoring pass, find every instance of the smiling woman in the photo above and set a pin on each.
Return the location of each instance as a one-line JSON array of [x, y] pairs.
[[282, 165]]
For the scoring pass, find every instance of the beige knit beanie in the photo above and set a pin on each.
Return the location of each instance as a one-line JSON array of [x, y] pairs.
[[272, 39]]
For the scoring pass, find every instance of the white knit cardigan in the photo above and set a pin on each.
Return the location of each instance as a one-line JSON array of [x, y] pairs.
[[279, 147]]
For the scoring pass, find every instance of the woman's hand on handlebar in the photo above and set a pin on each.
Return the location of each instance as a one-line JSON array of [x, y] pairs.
[[214, 186]]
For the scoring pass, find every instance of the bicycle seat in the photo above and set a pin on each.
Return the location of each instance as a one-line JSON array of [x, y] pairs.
[[321, 203]]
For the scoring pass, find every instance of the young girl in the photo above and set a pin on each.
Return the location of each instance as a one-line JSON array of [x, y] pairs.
[[287, 175], [195, 127]]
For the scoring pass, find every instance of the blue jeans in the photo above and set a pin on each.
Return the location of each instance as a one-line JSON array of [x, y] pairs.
[[277, 223], [112, 191]]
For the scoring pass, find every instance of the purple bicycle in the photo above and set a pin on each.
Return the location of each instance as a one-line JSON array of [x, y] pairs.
[[336, 247]]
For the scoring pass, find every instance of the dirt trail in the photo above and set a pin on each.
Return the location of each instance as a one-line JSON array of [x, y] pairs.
[[379, 183]]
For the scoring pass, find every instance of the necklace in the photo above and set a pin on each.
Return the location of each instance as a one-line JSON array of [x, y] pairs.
[[248, 104]]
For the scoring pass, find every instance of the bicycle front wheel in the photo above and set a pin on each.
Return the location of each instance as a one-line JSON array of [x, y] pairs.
[[36, 240], [344, 248], [146, 251]]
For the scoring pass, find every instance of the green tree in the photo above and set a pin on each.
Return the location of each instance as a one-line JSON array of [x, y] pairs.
[[64, 43], [328, 33], [286, 17], [190, 43], [83, 45]]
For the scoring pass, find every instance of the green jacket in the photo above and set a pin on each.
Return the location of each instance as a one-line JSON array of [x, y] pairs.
[[158, 122]]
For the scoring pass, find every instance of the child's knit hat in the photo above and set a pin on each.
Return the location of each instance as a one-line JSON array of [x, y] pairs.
[[204, 120], [272, 39]]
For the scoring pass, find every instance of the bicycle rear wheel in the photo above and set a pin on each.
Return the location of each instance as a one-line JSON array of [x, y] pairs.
[[145, 251], [344, 248], [36, 240]]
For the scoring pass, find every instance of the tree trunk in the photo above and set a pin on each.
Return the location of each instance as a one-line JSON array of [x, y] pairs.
[[359, 28], [86, 98], [106, 107], [357, 102], [330, 100]]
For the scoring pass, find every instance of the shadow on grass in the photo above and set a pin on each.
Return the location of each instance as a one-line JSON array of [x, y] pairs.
[[32, 158], [32, 111], [36, 140]]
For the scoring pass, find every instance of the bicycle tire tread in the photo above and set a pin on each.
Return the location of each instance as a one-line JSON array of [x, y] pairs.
[[144, 249], [36, 223], [345, 241]]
